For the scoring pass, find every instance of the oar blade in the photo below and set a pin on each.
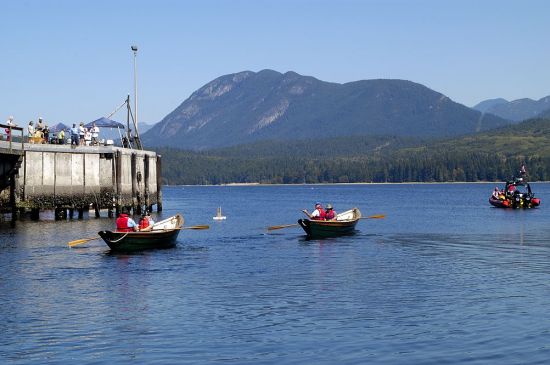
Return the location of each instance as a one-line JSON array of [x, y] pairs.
[[378, 216], [205, 226], [81, 241], [272, 228]]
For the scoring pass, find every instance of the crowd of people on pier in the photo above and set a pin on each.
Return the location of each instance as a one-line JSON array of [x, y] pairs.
[[42, 134]]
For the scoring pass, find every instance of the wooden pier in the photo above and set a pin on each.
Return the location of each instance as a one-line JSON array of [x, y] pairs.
[[69, 179]]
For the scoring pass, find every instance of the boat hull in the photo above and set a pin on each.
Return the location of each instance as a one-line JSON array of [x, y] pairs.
[[520, 203], [163, 235], [324, 229]]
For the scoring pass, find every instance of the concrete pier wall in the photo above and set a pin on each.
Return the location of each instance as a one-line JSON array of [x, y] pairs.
[[57, 176]]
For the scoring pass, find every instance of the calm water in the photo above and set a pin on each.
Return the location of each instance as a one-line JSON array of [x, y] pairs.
[[443, 279]]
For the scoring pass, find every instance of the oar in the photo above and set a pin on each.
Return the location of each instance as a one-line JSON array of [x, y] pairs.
[[282, 226], [374, 216], [81, 241], [205, 226]]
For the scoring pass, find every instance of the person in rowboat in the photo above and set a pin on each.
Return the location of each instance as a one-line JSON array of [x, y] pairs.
[[125, 224], [318, 214], [330, 214], [146, 222]]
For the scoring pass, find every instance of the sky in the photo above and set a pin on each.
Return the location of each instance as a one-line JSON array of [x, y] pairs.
[[70, 61]]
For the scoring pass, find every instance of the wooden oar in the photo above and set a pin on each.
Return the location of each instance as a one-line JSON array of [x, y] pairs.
[[205, 226], [374, 216], [81, 241], [282, 226]]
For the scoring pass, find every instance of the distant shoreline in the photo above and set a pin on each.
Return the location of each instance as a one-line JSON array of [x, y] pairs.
[[362, 183]]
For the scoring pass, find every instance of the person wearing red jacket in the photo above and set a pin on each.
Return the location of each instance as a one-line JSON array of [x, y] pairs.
[[318, 214], [146, 222], [330, 214], [125, 224]]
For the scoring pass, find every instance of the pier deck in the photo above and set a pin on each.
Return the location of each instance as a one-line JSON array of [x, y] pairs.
[[49, 176]]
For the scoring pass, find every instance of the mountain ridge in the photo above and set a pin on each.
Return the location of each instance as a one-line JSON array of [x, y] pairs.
[[252, 106], [515, 110]]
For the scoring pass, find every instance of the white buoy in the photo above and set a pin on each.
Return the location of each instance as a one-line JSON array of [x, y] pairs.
[[219, 215]]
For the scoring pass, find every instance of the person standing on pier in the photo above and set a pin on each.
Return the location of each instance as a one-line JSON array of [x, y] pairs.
[[30, 130], [81, 134], [61, 137], [95, 135], [46, 132], [75, 140], [9, 123], [40, 125]]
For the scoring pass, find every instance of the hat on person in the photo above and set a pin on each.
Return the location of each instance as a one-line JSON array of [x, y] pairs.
[[329, 206], [316, 204]]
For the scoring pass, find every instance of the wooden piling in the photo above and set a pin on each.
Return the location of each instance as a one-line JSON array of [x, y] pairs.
[[118, 181], [136, 178], [13, 200], [159, 184], [146, 180]]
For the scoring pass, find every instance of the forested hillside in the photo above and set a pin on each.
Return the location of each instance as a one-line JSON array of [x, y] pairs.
[[490, 156]]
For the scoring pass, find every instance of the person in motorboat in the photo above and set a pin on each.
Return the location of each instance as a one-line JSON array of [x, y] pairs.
[[318, 213], [330, 214], [124, 223]]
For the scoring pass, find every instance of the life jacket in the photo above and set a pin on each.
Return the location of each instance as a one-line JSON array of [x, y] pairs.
[[329, 214], [321, 216], [122, 223], [144, 223]]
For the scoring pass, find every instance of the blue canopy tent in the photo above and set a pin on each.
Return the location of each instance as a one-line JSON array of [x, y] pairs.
[[103, 123]]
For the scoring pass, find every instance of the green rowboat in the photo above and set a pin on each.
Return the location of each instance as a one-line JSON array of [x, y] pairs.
[[344, 224], [162, 235]]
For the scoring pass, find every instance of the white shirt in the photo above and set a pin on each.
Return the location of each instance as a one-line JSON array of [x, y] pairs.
[[316, 213]]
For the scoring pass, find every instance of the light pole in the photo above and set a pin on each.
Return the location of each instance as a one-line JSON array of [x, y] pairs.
[[135, 49]]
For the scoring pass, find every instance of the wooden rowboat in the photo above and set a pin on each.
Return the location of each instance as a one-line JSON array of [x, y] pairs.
[[162, 235], [344, 224]]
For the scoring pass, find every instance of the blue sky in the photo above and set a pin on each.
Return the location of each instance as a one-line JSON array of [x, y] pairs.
[[70, 61]]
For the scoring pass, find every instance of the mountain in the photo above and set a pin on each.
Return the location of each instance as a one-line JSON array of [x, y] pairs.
[[516, 110], [486, 105], [248, 106], [144, 127]]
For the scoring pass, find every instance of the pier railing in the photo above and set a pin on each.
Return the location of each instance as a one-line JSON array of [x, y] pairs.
[[10, 129]]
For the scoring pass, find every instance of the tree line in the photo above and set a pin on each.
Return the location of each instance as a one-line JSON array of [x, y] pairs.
[[190, 168], [490, 156]]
